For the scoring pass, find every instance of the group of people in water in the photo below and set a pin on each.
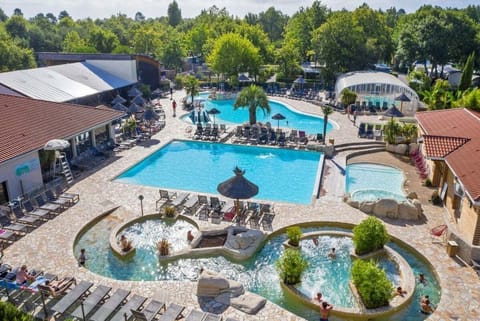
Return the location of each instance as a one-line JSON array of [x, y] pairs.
[[425, 305]]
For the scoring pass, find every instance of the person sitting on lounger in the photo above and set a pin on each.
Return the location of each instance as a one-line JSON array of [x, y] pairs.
[[125, 243], [23, 276]]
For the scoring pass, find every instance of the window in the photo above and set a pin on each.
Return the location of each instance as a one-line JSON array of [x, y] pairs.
[[3, 193]]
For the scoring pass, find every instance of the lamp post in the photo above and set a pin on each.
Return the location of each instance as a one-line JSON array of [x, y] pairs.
[[140, 197]]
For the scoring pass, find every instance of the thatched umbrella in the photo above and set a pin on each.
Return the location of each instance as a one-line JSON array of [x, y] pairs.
[[238, 187], [402, 98]]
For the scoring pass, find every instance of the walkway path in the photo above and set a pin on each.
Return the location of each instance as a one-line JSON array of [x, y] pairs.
[[50, 246]]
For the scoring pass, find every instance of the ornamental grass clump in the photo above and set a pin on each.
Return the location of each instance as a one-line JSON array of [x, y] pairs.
[[9, 312], [294, 233], [291, 266], [369, 236], [372, 283]]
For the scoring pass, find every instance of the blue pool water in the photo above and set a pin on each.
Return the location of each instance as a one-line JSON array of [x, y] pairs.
[[257, 274], [296, 120], [369, 182], [281, 174]]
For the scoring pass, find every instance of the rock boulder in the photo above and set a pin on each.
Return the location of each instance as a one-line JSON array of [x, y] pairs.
[[386, 208]]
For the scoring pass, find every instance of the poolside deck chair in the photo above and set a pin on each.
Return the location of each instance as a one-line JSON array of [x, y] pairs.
[[212, 317], [72, 196], [25, 219], [282, 140], [165, 196], [267, 220], [179, 199], [52, 198], [92, 300], [149, 312], [439, 233], [369, 131], [302, 138], [45, 291], [72, 297], [195, 315], [125, 313], [31, 210], [41, 203], [362, 133], [7, 224], [172, 313], [107, 309], [7, 236]]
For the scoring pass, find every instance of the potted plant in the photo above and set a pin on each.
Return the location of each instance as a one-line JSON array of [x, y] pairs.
[[163, 247], [294, 233], [369, 236], [170, 211], [291, 266]]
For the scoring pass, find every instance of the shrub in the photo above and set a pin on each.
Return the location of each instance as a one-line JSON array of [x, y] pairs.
[[9, 312], [294, 233], [436, 199], [428, 182], [291, 266], [370, 235], [372, 283], [170, 211], [163, 247]]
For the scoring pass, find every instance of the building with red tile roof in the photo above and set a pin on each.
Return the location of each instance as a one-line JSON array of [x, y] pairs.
[[451, 141], [28, 124]]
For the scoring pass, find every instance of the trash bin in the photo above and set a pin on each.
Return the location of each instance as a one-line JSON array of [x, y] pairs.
[[452, 248]]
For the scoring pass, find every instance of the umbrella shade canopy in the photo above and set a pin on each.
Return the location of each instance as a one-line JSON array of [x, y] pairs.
[[120, 107], [272, 79], [214, 111], [299, 80], [244, 78], [56, 144], [402, 98], [118, 99], [278, 117], [139, 100], [238, 187], [134, 92], [134, 108], [150, 115], [393, 112], [157, 92]]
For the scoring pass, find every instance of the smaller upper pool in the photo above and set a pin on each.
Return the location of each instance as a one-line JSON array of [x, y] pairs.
[[369, 182], [293, 119]]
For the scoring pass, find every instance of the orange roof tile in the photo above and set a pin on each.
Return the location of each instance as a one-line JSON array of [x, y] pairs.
[[27, 124], [441, 146], [460, 143]]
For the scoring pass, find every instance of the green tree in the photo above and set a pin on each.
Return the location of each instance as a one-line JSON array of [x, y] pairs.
[[252, 97], [174, 14], [103, 40], [440, 96], [172, 53], [287, 59], [12, 55], [466, 80], [191, 86], [233, 54], [291, 266], [392, 130], [17, 27], [273, 22], [326, 110], [348, 97], [470, 99], [74, 43], [294, 233]]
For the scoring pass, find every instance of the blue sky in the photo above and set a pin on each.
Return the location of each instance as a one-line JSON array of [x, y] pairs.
[[190, 8]]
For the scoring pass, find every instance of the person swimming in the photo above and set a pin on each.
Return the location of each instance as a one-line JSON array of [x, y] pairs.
[[332, 253]]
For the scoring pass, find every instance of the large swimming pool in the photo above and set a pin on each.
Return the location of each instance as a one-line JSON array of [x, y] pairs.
[[293, 119], [369, 182], [281, 175]]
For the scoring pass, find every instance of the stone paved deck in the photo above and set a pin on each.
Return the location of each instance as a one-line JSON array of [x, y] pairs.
[[50, 246]]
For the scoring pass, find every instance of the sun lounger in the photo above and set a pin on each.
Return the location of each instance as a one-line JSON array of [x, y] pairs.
[[31, 210], [195, 315], [7, 236], [47, 206], [134, 303], [97, 296], [177, 201], [7, 224], [231, 319], [149, 312], [172, 313], [72, 196], [46, 292], [475, 265], [72, 297], [212, 317], [64, 202], [110, 306], [25, 219]]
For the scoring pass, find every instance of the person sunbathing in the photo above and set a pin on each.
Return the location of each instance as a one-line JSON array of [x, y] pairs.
[[56, 287], [125, 244]]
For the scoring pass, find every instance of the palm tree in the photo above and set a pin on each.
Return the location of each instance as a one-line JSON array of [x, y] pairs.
[[191, 86], [252, 97], [327, 110]]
